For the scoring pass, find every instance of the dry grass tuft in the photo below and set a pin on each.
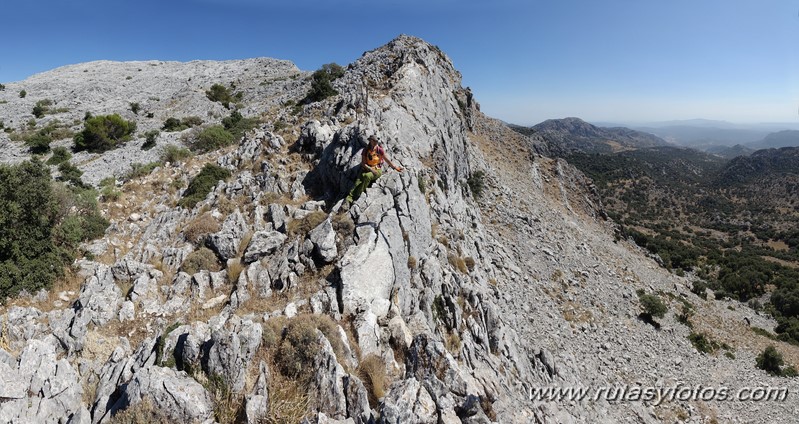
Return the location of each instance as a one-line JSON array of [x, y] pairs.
[[289, 402], [200, 227], [412, 262], [228, 406], [372, 371], [470, 263], [458, 263], [299, 344], [143, 413], [202, 259], [453, 343], [303, 226], [234, 269]]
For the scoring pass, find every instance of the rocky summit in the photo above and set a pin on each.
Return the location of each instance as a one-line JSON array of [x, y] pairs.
[[457, 290]]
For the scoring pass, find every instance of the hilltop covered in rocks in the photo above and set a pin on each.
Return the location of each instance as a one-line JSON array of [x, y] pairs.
[[445, 294]]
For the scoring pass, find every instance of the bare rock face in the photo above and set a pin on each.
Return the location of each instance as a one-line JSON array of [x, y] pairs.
[[226, 242], [40, 387], [178, 396]]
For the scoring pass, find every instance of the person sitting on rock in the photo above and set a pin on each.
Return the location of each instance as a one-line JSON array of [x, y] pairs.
[[372, 159]]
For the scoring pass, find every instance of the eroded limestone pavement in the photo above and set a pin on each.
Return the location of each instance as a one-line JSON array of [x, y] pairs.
[[468, 303]]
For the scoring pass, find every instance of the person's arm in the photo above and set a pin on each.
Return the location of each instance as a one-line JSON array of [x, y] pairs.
[[391, 164]]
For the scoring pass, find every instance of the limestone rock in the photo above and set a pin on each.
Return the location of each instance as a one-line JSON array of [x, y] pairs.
[[174, 393], [263, 243], [324, 241]]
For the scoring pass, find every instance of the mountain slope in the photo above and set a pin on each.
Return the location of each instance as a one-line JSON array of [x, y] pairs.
[[573, 134], [786, 138], [429, 300]]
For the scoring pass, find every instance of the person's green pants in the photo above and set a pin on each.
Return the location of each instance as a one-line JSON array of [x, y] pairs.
[[363, 182]]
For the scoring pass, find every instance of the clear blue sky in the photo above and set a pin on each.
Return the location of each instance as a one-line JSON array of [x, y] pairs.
[[526, 61]]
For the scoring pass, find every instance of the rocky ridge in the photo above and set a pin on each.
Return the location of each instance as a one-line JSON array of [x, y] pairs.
[[569, 135], [467, 303]]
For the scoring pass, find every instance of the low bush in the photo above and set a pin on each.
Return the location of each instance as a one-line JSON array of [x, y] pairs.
[[771, 361], [220, 93], [60, 154], [321, 83], [138, 170], [174, 154], [202, 184], [703, 343], [199, 260], [38, 143], [212, 138], [200, 227], [22, 94], [104, 132], [476, 183], [135, 107], [300, 344], [70, 173], [237, 125], [149, 139], [42, 107], [304, 225]]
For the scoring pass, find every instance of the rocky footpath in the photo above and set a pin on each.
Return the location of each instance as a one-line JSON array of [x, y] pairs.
[[445, 294]]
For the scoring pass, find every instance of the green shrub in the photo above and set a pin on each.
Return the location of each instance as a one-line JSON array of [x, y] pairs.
[[703, 343], [192, 121], [771, 361], [2, 87], [42, 107], [22, 94], [321, 83], [149, 139], [103, 133], [138, 170], [70, 173], [110, 193], [40, 224], [699, 288], [202, 184], [652, 305], [202, 259], [38, 143], [212, 138], [220, 93], [174, 154], [237, 125], [135, 107], [476, 183], [173, 125], [60, 154]]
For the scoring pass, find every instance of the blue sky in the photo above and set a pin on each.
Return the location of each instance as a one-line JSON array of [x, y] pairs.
[[526, 61]]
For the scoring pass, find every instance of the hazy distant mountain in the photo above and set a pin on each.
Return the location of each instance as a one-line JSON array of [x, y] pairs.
[[787, 138], [573, 134], [696, 136], [727, 152]]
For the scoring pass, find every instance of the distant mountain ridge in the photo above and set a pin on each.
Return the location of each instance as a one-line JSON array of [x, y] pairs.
[[765, 164], [785, 138], [573, 134]]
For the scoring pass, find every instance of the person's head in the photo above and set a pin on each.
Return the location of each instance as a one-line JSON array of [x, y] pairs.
[[372, 141]]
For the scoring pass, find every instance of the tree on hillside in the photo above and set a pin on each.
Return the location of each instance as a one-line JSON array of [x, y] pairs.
[[103, 133]]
